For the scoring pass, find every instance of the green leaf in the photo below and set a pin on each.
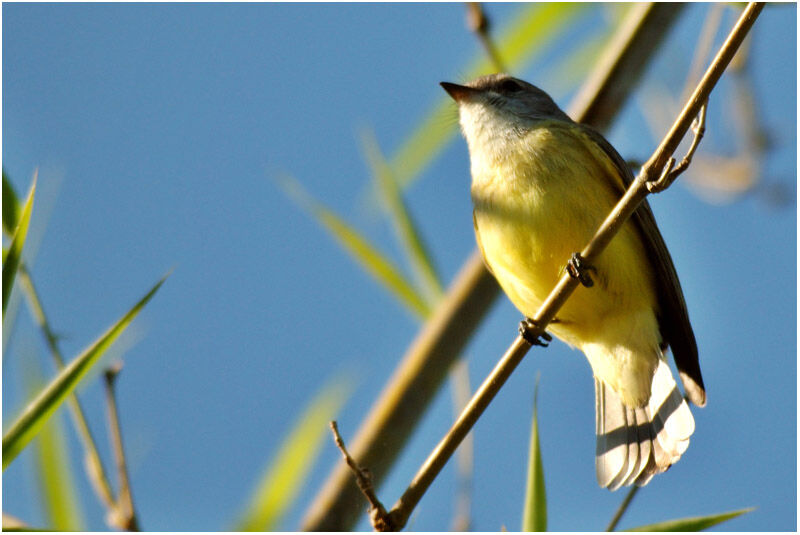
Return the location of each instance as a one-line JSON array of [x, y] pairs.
[[50, 398], [370, 259], [289, 468], [527, 35], [13, 257], [399, 215], [10, 206], [54, 474], [534, 516], [697, 523]]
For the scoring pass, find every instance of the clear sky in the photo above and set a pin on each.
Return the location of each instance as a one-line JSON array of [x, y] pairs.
[[158, 129]]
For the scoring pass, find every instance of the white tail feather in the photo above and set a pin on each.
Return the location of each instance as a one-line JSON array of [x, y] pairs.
[[633, 444]]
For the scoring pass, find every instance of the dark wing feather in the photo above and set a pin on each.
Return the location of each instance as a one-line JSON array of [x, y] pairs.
[[674, 318]]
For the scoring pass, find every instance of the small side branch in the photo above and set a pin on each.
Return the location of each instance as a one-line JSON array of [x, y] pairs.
[[671, 172], [123, 514], [377, 512], [94, 466]]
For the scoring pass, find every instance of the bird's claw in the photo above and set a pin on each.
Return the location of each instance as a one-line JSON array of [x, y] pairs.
[[526, 330], [578, 268]]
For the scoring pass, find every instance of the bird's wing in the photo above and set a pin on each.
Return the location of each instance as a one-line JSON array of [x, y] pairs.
[[673, 318]]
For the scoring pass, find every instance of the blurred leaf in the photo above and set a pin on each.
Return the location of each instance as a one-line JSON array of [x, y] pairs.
[[372, 260], [49, 399], [289, 468], [54, 473], [12, 523], [528, 34], [13, 257], [697, 523], [406, 230], [10, 206], [534, 516]]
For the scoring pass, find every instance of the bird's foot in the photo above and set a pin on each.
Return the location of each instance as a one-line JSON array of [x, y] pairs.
[[578, 268], [528, 328]]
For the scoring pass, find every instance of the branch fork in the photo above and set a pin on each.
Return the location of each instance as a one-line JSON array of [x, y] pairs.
[[670, 172]]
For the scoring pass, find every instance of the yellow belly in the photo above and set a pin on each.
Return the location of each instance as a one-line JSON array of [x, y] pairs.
[[536, 208]]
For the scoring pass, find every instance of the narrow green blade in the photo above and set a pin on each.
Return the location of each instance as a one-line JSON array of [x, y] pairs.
[[10, 206], [12, 259], [50, 398], [534, 516], [289, 468], [370, 259], [406, 230], [54, 474], [697, 523], [529, 33]]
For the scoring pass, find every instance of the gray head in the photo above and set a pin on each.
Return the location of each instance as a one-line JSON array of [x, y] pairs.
[[507, 95], [496, 108]]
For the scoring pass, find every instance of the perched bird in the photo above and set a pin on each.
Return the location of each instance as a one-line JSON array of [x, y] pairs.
[[541, 186]]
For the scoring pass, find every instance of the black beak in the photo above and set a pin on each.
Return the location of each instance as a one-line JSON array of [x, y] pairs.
[[458, 92]]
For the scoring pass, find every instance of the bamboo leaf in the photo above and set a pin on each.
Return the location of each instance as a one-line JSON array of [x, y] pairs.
[[10, 206], [13, 257], [54, 474], [697, 523], [370, 259], [400, 217], [289, 468], [528, 34], [534, 517], [50, 398]]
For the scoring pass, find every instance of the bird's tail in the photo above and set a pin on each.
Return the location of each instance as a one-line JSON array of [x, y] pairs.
[[635, 444]]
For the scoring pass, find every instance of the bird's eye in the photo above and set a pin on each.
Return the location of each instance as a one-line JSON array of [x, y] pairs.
[[510, 86]]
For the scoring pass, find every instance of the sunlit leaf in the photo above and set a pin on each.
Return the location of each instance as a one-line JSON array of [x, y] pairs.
[[534, 517], [13, 257], [289, 468], [10, 206], [697, 523], [371, 260], [527, 35], [54, 473], [399, 215], [50, 398]]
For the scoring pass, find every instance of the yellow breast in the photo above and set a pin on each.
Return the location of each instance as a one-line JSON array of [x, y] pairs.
[[540, 198]]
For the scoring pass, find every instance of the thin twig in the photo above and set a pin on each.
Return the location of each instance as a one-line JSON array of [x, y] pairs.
[[622, 508], [93, 464], [414, 383], [478, 23], [669, 174], [377, 512], [123, 515], [635, 194]]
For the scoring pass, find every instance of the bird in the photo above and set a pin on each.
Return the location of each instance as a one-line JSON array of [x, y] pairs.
[[541, 186]]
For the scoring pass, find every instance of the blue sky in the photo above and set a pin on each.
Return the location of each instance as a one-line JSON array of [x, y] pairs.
[[158, 129]]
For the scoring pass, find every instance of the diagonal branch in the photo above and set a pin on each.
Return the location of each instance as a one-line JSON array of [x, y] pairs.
[[392, 418], [94, 466], [651, 172]]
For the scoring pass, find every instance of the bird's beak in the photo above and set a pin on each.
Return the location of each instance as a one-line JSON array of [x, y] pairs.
[[459, 93]]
